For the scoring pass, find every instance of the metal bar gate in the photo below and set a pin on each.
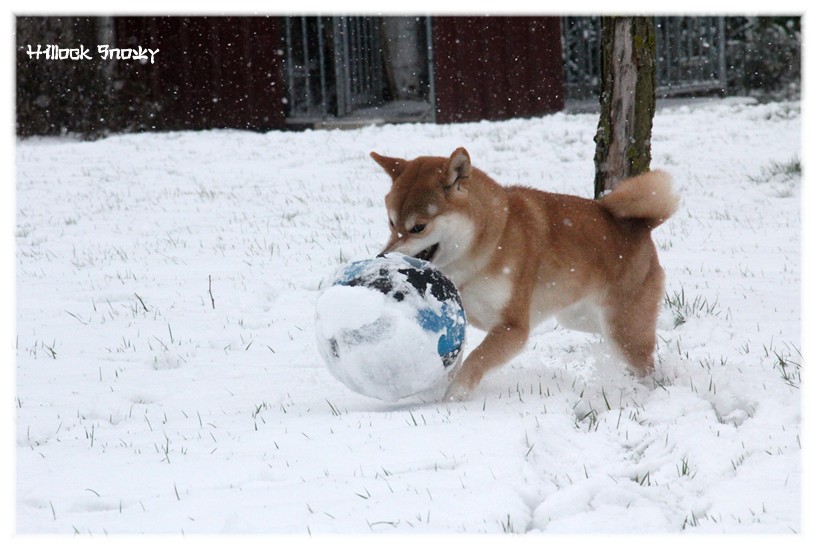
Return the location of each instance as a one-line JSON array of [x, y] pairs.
[[690, 55], [333, 65]]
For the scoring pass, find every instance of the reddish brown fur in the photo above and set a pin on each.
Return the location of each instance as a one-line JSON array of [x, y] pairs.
[[519, 255]]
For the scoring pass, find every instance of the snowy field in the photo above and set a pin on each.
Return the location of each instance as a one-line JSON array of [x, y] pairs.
[[167, 377]]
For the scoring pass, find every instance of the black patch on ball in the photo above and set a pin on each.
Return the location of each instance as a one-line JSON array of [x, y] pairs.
[[420, 276], [441, 287], [333, 348]]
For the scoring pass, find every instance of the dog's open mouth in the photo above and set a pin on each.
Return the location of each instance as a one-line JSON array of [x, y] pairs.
[[428, 253]]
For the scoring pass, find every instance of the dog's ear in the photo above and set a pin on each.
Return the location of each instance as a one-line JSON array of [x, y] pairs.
[[456, 168], [393, 166]]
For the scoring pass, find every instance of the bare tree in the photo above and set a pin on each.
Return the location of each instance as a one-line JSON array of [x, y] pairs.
[[623, 139]]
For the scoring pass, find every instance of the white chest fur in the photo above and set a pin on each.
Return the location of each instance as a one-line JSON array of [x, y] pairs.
[[484, 298]]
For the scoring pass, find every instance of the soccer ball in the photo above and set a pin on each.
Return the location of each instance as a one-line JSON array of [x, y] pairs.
[[390, 327]]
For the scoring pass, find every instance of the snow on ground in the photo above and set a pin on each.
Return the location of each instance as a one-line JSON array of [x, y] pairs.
[[167, 377]]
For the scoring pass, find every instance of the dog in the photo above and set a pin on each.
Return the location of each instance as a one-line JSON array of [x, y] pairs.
[[520, 255]]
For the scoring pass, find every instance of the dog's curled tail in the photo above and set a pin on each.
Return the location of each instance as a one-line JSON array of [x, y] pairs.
[[648, 197]]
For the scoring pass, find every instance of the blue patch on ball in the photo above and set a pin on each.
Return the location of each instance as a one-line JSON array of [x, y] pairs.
[[383, 349]]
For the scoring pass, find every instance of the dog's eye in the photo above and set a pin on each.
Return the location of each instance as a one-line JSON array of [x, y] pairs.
[[391, 223], [416, 229]]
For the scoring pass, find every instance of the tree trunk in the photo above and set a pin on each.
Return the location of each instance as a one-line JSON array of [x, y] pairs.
[[623, 139]]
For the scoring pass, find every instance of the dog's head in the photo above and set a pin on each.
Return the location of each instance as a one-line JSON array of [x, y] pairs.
[[427, 206]]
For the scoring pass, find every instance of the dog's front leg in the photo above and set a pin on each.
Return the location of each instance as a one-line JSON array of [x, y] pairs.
[[501, 343]]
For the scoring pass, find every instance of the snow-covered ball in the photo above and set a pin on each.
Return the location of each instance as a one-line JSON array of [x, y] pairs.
[[390, 327]]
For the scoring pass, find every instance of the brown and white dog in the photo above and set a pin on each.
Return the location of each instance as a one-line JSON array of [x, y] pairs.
[[520, 255]]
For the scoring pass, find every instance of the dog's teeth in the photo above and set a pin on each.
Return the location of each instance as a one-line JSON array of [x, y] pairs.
[[428, 253]]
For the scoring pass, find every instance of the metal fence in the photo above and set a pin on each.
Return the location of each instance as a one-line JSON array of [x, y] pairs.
[[333, 65], [358, 62], [690, 55]]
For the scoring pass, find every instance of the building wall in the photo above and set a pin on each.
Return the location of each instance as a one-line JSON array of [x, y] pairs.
[[228, 72], [494, 68], [212, 72]]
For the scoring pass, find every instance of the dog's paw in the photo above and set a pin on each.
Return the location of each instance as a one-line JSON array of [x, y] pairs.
[[457, 393]]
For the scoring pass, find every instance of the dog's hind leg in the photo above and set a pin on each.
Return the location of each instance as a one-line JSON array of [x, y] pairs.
[[630, 320]]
